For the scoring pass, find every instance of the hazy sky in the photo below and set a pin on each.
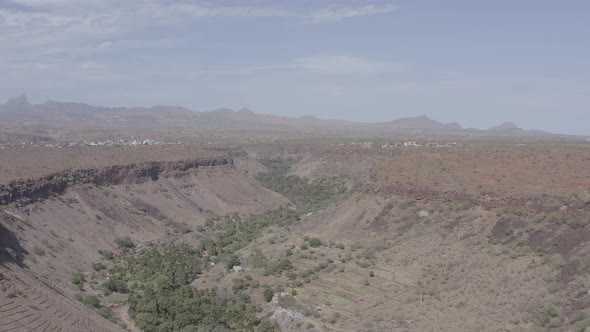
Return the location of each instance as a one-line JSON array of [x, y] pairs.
[[471, 61]]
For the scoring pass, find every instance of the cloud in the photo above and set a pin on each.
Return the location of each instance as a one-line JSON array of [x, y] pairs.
[[25, 20], [198, 11], [91, 65], [38, 30], [335, 14], [333, 65], [104, 46], [59, 3], [168, 10]]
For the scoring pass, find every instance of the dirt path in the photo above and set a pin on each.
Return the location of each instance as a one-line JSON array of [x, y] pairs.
[[121, 312]]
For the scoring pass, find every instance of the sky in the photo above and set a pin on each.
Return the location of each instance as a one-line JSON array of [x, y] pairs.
[[475, 62]]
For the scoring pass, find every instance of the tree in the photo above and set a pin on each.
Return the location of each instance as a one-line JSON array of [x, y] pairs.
[[268, 294], [266, 325], [232, 260], [315, 242]]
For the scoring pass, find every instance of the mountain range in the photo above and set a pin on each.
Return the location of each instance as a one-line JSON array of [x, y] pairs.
[[18, 112]]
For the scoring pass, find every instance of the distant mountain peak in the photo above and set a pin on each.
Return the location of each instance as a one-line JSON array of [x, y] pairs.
[[506, 126], [18, 111], [308, 118], [420, 122], [18, 101], [453, 125], [246, 111]]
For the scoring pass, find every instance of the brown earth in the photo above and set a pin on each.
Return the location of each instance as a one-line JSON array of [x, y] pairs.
[[470, 238], [58, 227]]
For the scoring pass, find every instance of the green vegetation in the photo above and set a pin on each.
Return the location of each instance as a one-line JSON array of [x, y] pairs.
[[268, 294], [315, 242], [107, 254], [173, 309], [267, 325], [125, 243], [78, 279], [157, 281], [98, 266], [546, 314], [556, 261], [91, 301], [161, 298], [175, 265], [564, 218], [226, 235], [582, 264], [307, 194], [289, 302]]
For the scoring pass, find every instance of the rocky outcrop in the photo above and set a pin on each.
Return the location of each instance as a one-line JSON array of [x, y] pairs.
[[538, 203], [23, 192]]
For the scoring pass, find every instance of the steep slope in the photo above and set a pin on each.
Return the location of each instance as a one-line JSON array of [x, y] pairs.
[[53, 227], [395, 255]]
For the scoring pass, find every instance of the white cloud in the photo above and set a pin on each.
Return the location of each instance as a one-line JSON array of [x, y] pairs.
[[38, 30], [198, 11], [91, 65], [25, 20], [177, 10], [333, 65], [104, 46], [335, 14]]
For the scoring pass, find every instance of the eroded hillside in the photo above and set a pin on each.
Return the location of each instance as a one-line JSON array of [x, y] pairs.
[[303, 237], [54, 227]]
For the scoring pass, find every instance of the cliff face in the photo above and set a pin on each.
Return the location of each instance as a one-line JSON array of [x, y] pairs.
[[536, 203], [23, 192]]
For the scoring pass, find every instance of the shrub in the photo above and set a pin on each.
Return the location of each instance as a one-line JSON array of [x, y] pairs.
[[556, 261], [98, 266], [315, 242], [545, 314], [266, 325], [91, 301], [582, 325], [268, 294], [289, 302], [118, 298], [238, 284], [232, 260], [334, 317], [125, 242], [107, 254], [371, 274], [78, 279], [115, 284], [38, 251], [106, 313]]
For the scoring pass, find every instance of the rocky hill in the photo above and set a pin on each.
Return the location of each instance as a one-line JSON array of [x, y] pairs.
[[18, 112]]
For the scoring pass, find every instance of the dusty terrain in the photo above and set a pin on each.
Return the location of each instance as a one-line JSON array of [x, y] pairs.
[[485, 236]]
